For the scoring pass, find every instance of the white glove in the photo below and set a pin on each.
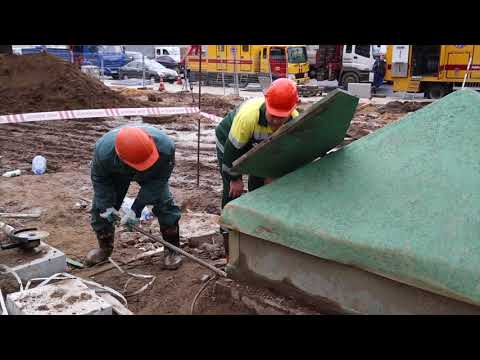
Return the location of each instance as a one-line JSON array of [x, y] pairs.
[[108, 214], [129, 218]]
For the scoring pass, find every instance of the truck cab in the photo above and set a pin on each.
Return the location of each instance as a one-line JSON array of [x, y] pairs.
[[357, 64], [288, 61], [345, 63], [108, 57]]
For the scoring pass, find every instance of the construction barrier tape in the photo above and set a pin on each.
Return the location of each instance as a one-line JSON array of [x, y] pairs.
[[96, 113], [212, 117]]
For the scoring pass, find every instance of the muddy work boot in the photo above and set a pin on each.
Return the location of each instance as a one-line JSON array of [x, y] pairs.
[[171, 259], [105, 249]]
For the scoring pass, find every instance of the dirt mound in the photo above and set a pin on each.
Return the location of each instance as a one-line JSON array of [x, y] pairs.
[[398, 107], [43, 82]]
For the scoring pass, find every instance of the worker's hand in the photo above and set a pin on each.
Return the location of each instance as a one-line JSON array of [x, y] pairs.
[[236, 188], [267, 181], [109, 214], [129, 219]]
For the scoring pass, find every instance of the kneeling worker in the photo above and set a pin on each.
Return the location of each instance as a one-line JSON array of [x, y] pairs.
[[252, 122], [145, 155]]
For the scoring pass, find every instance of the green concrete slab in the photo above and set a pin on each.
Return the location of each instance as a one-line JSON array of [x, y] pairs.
[[319, 129], [403, 202]]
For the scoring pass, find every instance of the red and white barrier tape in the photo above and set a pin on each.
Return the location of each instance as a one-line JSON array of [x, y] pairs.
[[96, 113], [212, 117]]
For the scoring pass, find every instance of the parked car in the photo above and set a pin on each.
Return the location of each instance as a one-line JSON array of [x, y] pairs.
[[167, 61], [153, 71]]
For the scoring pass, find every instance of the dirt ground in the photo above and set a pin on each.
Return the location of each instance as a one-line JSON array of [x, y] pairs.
[[173, 292], [64, 193]]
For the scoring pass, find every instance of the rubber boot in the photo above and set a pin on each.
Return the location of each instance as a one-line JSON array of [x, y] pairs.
[[104, 250], [171, 259]]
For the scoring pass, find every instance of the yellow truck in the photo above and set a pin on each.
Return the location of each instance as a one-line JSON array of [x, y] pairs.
[[434, 70], [220, 62]]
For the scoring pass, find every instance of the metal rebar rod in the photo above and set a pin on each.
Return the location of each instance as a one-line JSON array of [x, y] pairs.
[[184, 253], [199, 104]]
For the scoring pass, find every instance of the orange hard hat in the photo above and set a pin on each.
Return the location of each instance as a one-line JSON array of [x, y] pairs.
[[281, 97], [136, 148]]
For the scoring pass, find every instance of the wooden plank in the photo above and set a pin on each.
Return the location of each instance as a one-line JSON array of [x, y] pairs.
[[19, 215]]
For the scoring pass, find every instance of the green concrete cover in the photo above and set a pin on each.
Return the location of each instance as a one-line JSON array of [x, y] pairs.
[[403, 202], [319, 129]]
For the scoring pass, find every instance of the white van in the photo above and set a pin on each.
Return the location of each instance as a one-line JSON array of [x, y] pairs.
[[172, 51]]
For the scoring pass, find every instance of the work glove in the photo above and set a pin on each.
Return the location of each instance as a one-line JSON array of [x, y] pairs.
[[267, 180], [236, 188], [129, 219], [109, 214]]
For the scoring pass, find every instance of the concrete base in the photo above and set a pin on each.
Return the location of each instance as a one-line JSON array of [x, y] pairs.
[[331, 286], [361, 90], [43, 261], [67, 297]]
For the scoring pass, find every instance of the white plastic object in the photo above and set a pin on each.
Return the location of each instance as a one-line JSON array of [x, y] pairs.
[[39, 165], [12, 173], [127, 205]]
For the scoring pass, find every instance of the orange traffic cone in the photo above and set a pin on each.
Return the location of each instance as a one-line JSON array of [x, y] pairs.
[[162, 85], [179, 80]]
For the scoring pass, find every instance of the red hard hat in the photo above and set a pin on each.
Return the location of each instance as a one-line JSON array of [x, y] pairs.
[[136, 148], [281, 97]]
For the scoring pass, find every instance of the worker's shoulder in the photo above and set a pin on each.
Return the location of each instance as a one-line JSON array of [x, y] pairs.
[[164, 143], [155, 132], [251, 107], [107, 139]]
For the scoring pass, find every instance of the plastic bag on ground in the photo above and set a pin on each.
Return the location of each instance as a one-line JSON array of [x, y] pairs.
[[127, 205]]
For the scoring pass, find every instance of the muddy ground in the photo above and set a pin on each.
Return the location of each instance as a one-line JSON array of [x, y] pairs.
[[64, 193]]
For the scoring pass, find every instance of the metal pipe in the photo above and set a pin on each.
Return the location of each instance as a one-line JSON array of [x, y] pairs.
[[184, 253], [143, 70], [466, 72], [199, 104]]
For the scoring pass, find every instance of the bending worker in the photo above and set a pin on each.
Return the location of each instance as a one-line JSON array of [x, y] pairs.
[[145, 155], [252, 122]]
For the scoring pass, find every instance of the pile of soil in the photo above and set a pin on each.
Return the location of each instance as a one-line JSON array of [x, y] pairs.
[[43, 82], [398, 107], [373, 117]]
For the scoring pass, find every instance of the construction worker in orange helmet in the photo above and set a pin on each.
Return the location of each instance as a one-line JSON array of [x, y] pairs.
[[145, 155], [252, 122]]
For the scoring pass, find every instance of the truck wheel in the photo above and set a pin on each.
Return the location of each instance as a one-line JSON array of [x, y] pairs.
[[435, 91], [312, 74], [349, 78]]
